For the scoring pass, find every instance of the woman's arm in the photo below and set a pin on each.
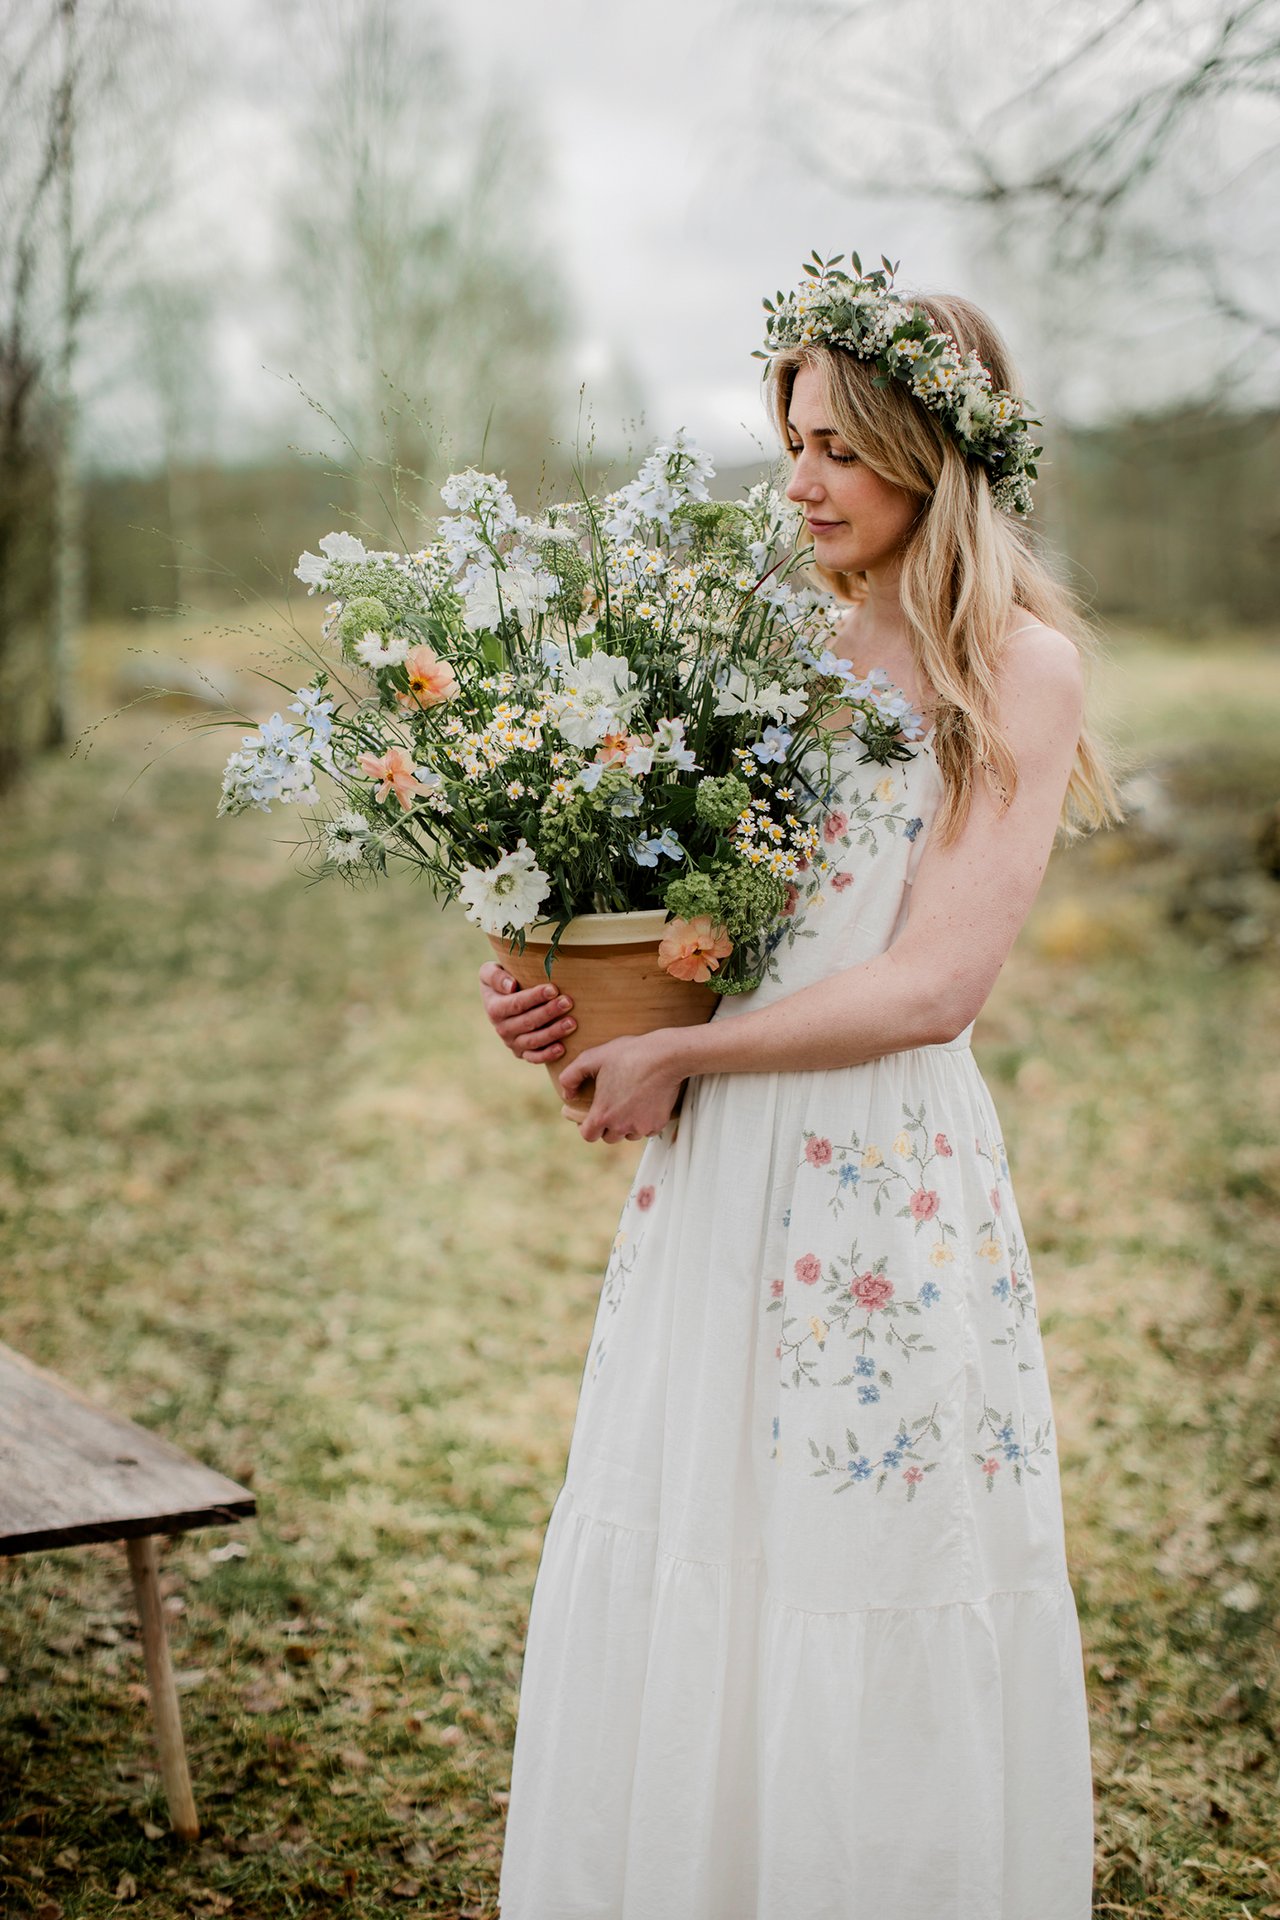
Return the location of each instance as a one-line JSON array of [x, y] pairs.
[[968, 902]]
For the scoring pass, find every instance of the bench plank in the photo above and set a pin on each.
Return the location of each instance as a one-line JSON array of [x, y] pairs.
[[72, 1472]]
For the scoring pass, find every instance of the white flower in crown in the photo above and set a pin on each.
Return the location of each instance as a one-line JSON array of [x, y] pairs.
[[861, 314]]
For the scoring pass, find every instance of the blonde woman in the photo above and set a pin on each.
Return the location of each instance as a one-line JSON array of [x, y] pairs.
[[803, 1643]]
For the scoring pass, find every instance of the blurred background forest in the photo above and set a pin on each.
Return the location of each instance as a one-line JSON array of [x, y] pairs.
[[266, 1182]]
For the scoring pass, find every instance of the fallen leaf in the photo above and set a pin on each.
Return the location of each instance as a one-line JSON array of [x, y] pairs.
[[126, 1887], [152, 1831], [406, 1889]]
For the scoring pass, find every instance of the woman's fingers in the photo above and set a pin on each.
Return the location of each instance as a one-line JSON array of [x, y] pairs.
[[531, 1021]]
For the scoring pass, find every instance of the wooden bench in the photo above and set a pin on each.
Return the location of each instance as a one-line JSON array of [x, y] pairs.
[[71, 1472]]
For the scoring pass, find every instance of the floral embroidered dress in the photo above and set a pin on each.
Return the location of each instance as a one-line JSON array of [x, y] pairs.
[[802, 1644]]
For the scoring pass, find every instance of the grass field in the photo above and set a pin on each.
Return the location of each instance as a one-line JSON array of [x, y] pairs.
[[268, 1185]]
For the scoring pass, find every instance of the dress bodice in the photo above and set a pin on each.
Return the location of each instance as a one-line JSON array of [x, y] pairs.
[[874, 821]]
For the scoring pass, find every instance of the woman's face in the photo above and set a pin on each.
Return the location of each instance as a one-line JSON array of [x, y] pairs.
[[857, 520]]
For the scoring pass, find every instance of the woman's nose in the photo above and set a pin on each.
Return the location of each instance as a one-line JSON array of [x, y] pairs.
[[801, 485]]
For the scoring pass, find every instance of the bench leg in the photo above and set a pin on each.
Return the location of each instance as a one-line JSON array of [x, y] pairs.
[[144, 1567]]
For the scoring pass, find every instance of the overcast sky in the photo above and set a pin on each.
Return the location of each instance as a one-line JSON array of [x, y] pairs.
[[696, 151]]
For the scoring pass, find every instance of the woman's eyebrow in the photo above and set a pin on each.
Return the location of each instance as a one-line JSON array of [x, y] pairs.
[[815, 433]]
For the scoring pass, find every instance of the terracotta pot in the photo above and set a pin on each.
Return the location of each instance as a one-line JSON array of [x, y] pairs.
[[608, 965]]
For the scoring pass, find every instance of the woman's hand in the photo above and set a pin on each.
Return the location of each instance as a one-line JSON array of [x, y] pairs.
[[530, 1021], [637, 1083]]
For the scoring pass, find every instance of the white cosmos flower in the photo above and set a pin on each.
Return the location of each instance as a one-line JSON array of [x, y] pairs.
[[505, 898], [312, 570]]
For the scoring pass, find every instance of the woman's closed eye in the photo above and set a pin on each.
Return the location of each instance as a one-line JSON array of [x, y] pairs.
[[841, 459]]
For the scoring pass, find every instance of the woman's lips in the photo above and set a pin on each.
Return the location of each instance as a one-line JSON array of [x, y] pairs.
[[821, 526]]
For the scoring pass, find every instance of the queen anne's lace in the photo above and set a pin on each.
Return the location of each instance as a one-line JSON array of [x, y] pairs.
[[861, 314]]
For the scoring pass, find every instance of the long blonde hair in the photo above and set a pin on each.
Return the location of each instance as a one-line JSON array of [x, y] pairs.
[[966, 566]]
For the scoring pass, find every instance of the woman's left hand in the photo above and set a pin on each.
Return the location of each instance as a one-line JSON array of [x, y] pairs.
[[637, 1083]]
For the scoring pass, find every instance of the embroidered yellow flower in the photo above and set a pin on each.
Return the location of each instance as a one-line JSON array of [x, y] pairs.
[[819, 1330], [902, 1146], [990, 1250], [941, 1254], [872, 1157], [886, 789]]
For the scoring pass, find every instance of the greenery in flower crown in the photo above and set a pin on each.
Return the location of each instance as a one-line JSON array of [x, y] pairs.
[[861, 314], [620, 704]]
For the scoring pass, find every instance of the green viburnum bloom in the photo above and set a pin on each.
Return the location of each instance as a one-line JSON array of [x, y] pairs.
[[750, 900], [720, 801], [692, 894], [563, 559]]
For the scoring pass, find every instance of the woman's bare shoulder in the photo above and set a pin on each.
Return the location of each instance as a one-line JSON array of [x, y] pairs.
[[1038, 663]]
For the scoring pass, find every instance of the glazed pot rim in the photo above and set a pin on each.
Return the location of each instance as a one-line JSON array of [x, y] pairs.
[[639, 925]]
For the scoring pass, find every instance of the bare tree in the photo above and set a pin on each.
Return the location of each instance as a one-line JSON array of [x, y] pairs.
[[81, 172], [412, 246], [1101, 154]]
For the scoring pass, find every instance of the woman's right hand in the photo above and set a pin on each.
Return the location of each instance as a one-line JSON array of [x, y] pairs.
[[531, 1021]]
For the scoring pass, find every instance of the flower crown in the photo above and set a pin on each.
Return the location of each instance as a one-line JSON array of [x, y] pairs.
[[862, 315]]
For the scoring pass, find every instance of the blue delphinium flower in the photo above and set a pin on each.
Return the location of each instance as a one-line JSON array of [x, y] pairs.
[[772, 744]]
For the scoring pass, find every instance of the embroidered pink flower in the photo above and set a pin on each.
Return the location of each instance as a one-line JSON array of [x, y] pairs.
[[841, 880], [872, 1290], [995, 1199], [818, 1152], [924, 1203], [793, 895], [775, 1288], [990, 1467], [942, 1145], [431, 679], [913, 1475], [394, 770], [808, 1268], [644, 1198], [834, 825], [777, 1352], [693, 949]]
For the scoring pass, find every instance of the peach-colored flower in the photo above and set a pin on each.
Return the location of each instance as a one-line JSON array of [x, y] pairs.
[[394, 770], [614, 747], [693, 949], [432, 680]]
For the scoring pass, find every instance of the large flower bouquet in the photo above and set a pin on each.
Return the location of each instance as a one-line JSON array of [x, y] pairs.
[[610, 707]]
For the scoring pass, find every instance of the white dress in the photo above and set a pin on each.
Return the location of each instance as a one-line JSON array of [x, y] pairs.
[[802, 1643]]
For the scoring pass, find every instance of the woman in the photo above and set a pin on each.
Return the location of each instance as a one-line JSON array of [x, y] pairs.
[[803, 1644]]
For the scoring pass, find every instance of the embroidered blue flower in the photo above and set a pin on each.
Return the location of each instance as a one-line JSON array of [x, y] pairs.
[[913, 827], [849, 1175], [892, 1459], [867, 1396], [775, 1426], [786, 1218], [1001, 1289], [929, 1293], [861, 1468], [864, 1364]]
